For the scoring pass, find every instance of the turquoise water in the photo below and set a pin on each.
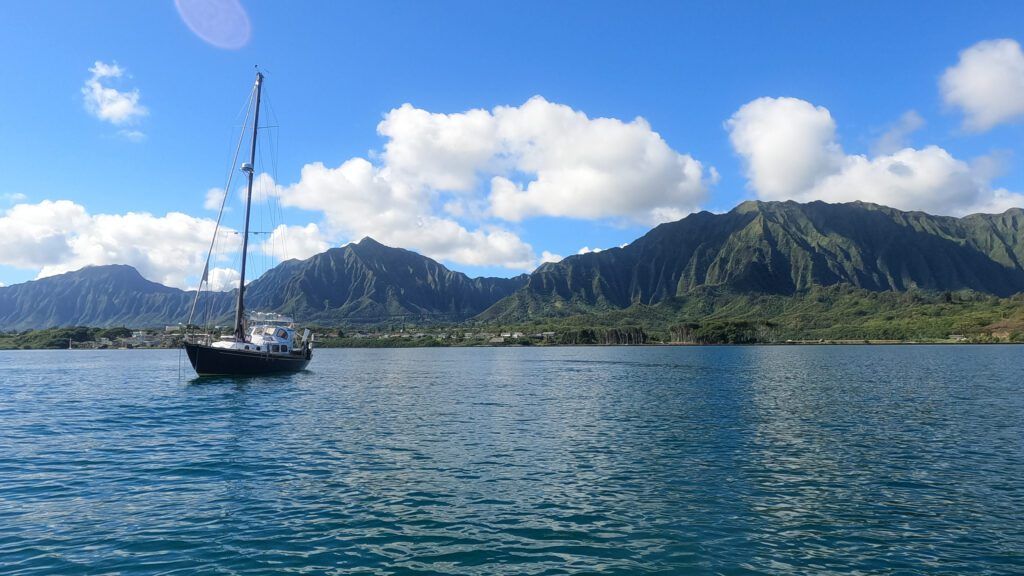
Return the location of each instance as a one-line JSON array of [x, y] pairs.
[[748, 460]]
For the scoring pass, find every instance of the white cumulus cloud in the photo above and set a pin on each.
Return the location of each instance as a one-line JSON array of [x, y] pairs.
[[110, 104], [586, 168], [59, 236], [545, 159], [427, 150], [550, 257], [359, 199], [214, 199], [791, 152], [299, 242], [788, 145], [38, 235], [223, 279], [987, 84], [447, 184]]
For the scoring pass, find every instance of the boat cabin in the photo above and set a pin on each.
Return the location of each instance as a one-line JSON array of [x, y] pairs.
[[270, 334]]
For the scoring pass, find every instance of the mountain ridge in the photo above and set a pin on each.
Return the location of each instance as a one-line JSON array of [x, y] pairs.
[[368, 281], [777, 248], [364, 281], [783, 248]]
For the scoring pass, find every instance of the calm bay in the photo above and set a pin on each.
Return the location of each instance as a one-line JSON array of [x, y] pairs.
[[732, 460]]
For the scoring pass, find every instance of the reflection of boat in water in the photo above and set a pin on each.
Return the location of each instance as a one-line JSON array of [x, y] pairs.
[[270, 344]]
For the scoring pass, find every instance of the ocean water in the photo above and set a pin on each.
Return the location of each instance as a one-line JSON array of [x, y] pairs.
[[716, 460]]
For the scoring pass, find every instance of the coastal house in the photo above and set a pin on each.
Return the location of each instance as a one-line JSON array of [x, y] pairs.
[[142, 339]]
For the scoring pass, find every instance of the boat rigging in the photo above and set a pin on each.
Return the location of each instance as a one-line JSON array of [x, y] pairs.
[[271, 343]]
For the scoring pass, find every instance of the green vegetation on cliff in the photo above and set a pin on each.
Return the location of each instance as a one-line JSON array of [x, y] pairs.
[[764, 271], [785, 249], [821, 313], [711, 316]]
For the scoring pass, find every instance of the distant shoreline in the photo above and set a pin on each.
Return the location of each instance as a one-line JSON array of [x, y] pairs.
[[645, 345], [83, 337]]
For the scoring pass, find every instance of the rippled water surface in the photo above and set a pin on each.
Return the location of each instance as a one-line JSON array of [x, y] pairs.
[[774, 460]]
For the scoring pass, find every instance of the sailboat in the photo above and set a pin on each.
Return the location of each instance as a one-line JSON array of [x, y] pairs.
[[268, 343]]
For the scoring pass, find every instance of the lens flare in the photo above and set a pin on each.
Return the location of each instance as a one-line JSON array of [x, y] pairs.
[[220, 23]]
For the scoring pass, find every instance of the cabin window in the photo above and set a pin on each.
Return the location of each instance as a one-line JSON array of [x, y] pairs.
[[284, 348], [246, 347], [275, 348]]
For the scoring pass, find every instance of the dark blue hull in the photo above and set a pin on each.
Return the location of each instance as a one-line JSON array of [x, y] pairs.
[[209, 361]]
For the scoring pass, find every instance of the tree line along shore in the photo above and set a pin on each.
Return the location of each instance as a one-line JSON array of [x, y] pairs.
[[820, 317]]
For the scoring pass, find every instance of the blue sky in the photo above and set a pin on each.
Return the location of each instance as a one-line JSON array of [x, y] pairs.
[[738, 101]]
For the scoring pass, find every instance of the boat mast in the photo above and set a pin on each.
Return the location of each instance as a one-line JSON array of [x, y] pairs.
[[248, 169]]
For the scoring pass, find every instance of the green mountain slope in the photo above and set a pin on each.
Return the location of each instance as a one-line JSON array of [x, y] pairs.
[[778, 249], [113, 295], [364, 282], [782, 248], [370, 282]]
